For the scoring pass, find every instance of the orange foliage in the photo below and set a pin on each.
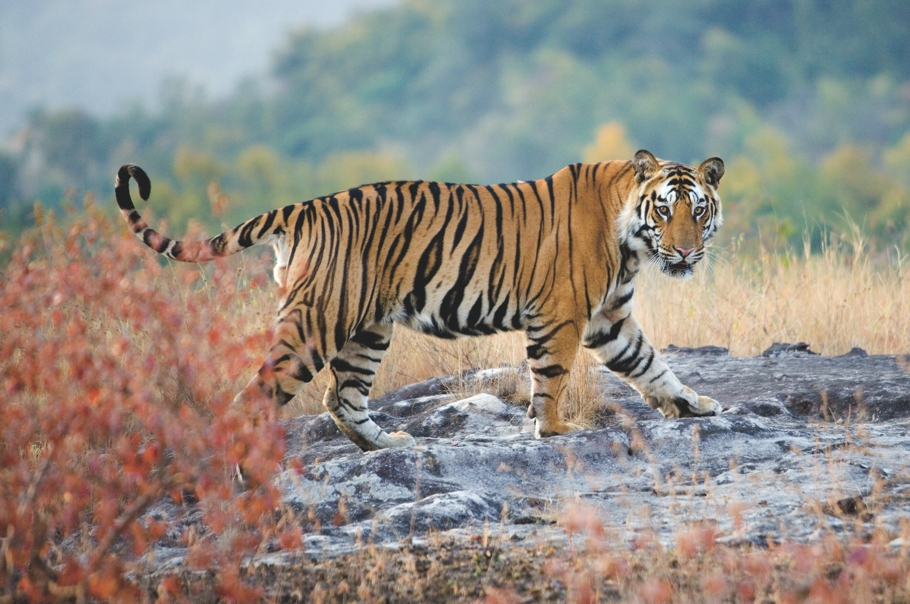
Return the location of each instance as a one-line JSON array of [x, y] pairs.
[[116, 377]]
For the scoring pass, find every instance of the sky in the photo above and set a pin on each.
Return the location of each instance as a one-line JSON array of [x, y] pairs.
[[104, 55]]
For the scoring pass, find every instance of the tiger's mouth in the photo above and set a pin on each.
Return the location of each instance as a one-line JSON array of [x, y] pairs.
[[678, 270], [681, 270]]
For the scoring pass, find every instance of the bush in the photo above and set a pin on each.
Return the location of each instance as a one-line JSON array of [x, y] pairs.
[[116, 377]]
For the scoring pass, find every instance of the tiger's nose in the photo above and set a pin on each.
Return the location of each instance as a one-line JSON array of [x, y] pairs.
[[684, 251]]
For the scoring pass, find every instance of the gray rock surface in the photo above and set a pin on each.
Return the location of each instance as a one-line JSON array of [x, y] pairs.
[[806, 444]]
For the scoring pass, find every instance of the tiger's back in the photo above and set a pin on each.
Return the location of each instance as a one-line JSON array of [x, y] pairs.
[[554, 257], [452, 259]]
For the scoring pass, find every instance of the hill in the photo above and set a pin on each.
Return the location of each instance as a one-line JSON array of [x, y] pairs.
[[809, 103]]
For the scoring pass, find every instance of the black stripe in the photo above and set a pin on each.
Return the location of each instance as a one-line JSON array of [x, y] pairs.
[[550, 371], [548, 335], [474, 315], [619, 364], [147, 239], [602, 338], [267, 223], [318, 361], [434, 194], [499, 316], [372, 215], [622, 300], [341, 365], [453, 298], [644, 369], [280, 396], [301, 373], [245, 238], [658, 376], [536, 351], [427, 266], [619, 174], [373, 341], [357, 384], [549, 181]]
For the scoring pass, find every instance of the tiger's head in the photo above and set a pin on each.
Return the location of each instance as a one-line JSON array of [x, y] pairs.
[[673, 211]]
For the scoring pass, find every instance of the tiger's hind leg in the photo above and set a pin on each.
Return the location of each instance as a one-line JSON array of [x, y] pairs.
[[289, 364], [551, 354], [352, 372]]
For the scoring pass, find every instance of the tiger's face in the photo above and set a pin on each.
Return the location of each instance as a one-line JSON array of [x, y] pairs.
[[676, 210]]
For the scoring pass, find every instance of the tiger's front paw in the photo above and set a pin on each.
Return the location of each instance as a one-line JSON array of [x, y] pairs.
[[554, 429], [380, 439], [687, 404], [399, 440], [707, 406]]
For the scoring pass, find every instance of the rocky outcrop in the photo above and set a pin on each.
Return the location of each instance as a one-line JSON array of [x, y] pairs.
[[806, 443]]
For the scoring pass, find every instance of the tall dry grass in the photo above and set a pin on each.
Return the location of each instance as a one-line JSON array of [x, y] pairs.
[[841, 297]]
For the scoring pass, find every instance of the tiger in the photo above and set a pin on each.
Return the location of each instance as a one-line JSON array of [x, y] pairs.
[[556, 258]]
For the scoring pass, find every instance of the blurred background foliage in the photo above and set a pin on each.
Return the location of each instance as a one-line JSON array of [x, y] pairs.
[[807, 101]]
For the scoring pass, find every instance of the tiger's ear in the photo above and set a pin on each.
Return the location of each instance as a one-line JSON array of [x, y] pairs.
[[712, 169], [645, 165]]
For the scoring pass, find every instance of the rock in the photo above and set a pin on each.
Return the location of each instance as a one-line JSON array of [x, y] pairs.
[[807, 443], [671, 349], [799, 430], [778, 349]]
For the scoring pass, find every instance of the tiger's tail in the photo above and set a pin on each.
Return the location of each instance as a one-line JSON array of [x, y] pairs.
[[261, 229]]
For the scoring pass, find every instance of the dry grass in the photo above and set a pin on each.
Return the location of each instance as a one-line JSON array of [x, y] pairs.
[[597, 567], [835, 300]]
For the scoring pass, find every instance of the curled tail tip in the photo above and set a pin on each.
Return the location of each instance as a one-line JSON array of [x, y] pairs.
[[132, 170]]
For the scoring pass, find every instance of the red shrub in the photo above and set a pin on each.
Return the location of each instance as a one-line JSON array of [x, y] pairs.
[[116, 376]]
